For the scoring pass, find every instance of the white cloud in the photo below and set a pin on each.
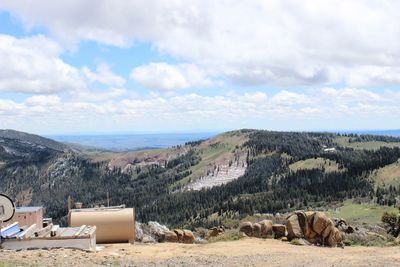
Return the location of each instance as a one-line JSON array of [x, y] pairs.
[[346, 106], [374, 76], [32, 65], [103, 75], [250, 42], [43, 100], [166, 77]]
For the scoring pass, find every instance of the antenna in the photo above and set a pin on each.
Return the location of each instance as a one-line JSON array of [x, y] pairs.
[[7, 208]]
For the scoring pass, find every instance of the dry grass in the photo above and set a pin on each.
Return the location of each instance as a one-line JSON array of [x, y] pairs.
[[388, 175], [373, 145], [359, 214], [315, 163]]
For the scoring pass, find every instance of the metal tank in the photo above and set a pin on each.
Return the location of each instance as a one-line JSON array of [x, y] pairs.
[[113, 224]]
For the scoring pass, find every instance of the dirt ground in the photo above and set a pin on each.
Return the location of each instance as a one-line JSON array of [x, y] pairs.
[[246, 252]]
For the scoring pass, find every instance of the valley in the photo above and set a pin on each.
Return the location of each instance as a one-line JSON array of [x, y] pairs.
[[205, 182]]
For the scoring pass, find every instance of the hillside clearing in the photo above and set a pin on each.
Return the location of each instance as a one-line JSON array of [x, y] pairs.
[[360, 213], [388, 175], [315, 163], [371, 145]]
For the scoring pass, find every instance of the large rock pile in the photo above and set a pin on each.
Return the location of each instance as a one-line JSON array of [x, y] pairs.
[[312, 227], [315, 227], [263, 229], [155, 232]]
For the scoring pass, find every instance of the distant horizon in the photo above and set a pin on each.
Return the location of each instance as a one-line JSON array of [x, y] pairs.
[[213, 131], [200, 131], [134, 141]]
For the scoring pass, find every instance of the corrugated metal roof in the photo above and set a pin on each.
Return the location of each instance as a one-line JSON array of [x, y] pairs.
[[27, 209]]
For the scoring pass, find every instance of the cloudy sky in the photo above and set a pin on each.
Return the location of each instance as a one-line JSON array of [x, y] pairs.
[[95, 66]]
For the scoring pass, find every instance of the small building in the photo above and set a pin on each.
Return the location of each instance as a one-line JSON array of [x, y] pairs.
[[26, 216]]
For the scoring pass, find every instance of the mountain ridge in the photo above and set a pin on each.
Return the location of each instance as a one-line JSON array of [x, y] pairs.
[[279, 171]]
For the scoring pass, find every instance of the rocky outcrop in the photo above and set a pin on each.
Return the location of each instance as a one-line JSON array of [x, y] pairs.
[[188, 237], [179, 233], [279, 231], [293, 225], [256, 230], [342, 225], [266, 228], [315, 227], [154, 232], [170, 236], [246, 228]]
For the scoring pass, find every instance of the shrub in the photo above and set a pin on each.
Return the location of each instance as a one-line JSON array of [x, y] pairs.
[[296, 242], [392, 223], [228, 235]]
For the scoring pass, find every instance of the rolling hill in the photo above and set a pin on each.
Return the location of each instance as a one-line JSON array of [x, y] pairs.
[[203, 182]]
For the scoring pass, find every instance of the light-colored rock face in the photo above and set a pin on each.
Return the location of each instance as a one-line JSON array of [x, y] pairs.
[[171, 236], [266, 228], [188, 237], [279, 230], [246, 228], [315, 227], [179, 233], [257, 230], [156, 228], [293, 227], [223, 173]]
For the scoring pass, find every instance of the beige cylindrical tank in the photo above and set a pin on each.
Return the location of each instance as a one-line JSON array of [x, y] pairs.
[[113, 225]]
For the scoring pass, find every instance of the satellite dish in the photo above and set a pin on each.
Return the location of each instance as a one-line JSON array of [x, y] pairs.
[[7, 208]]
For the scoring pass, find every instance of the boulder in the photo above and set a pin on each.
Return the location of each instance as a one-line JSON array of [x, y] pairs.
[[342, 225], [293, 227], [308, 230], [148, 239], [328, 234], [215, 231], [188, 237], [321, 222], [246, 228], [138, 231], [315, 227], [350, 229], [266, 228], [257, 230], [179, 233], [279, 230], [334, 238], [170, 236]]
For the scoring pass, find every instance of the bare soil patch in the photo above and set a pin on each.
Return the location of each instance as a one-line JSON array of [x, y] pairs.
[[246, 252]]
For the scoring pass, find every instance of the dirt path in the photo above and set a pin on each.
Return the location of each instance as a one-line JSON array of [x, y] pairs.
[[246, 252]]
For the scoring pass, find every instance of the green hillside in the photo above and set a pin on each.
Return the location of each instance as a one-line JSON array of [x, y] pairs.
[[283, 171]]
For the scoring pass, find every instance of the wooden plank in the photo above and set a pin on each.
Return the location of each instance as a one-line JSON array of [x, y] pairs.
[[44, 231], [28, 232], [70, 231], [88, 244], [80, 230]]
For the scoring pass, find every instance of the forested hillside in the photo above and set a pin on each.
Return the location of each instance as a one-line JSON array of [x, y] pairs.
[[327, 169]]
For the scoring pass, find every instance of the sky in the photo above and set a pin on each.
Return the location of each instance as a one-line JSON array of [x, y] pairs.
[[99, 66]]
